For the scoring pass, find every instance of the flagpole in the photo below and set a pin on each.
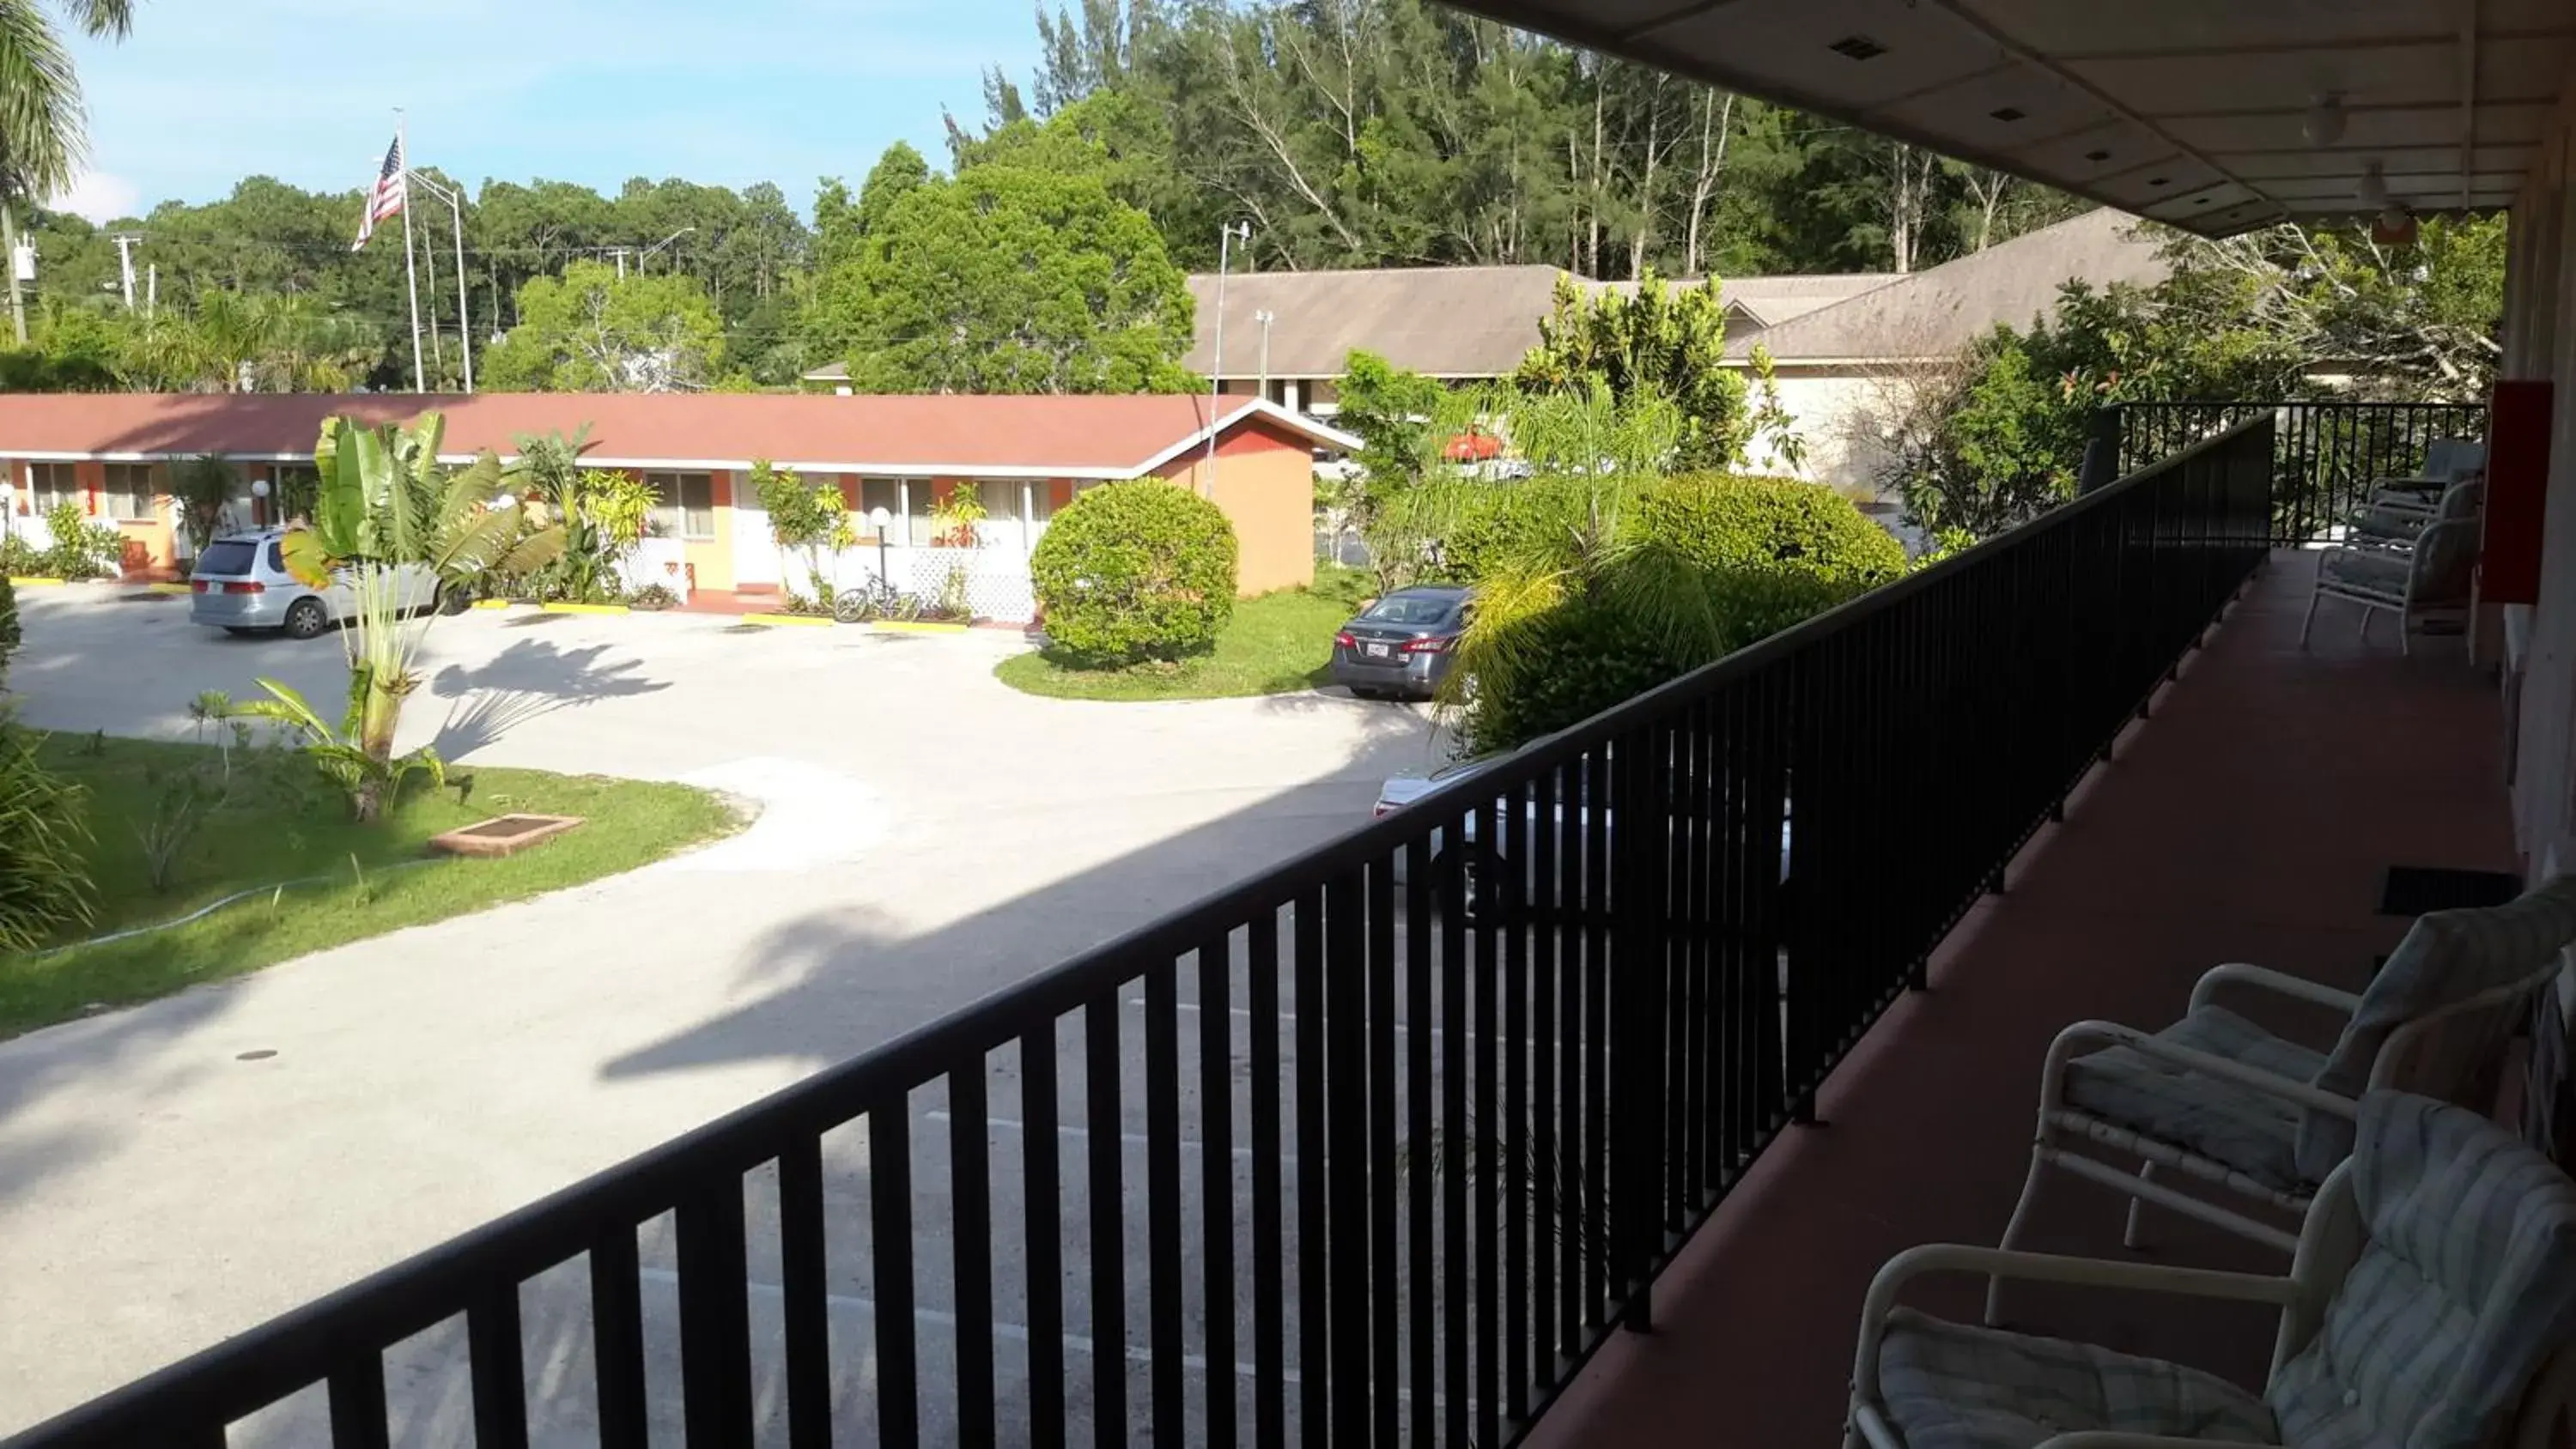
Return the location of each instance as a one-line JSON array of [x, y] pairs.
[[411, 270]]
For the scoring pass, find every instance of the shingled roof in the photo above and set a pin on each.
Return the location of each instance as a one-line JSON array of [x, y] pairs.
[[959, 435], [1935, 312]]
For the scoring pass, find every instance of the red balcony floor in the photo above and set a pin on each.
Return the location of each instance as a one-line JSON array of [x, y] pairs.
[[2250, 819]]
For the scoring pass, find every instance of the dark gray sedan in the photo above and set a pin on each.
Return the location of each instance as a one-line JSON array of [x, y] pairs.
[[1402, 646]]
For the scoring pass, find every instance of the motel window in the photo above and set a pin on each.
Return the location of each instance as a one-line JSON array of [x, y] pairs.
[[51, 484], [130, 490], [683, 504], [885, 493], [1001, 501], [293, 492], [919, 527]]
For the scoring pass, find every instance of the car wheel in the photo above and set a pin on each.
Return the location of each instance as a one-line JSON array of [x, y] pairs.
[[307, 619], [450, 602]]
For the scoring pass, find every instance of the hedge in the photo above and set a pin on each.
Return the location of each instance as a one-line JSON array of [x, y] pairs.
[[1134, 571]]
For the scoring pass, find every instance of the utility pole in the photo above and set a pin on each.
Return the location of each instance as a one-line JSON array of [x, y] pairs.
[[620, 254], [464, 306], [22, 269], [151, 289], [1226, 236], [1265, 318], [125, 264]]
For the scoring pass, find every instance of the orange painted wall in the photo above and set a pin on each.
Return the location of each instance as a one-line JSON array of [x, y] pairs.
[[1265, 482], [151, 544]]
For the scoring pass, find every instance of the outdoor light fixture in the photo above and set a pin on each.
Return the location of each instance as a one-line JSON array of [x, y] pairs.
[[259, 488], [2325, 120]]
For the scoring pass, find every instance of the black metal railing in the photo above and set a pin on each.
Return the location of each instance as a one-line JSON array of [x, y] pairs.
[[1375, 1147], [2326, 454]]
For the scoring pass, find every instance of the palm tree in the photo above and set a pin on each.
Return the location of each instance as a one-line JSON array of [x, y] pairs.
[[43, 132]]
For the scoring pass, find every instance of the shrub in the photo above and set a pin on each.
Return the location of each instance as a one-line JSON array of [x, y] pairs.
[[82, 549], [44, 866], [203, 487], [1135, 571], [1722, 521]]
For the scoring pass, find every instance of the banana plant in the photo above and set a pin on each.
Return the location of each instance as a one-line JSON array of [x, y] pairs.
[[385, 507]]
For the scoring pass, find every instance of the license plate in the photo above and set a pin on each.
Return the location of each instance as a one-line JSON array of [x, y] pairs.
[[1377, 651]]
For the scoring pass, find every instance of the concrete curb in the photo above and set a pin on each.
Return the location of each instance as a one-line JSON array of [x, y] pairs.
[[586, 608], [912, 626], [491, 604], [166, 588], [32, 581], [821, 620]]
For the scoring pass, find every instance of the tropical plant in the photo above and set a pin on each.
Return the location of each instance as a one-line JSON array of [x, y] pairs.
[[384, 507], [1134, 571], [202, 488], [653, 596], [808, 521], [83, 548], [356, 755], [43, 139], [44, 835], [1670, 342], [19, 558]]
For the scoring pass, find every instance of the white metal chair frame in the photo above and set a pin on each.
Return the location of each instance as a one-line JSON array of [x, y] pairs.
[[2395, 1056], [2328, 1244], [2411, 602]]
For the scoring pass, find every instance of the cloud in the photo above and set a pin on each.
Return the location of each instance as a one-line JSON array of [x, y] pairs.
[[98, 196]]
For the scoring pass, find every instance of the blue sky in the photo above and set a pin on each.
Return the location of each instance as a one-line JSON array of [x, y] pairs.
[[595, 91]]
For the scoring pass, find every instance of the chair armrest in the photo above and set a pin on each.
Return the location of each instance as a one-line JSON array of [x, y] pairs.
[[2239, 973], [2254, 1078], [2042, 1268]]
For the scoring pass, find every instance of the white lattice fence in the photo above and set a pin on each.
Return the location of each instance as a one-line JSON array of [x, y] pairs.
[[997, 581]]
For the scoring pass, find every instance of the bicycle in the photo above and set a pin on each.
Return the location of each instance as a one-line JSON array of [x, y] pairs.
[[876, 599]]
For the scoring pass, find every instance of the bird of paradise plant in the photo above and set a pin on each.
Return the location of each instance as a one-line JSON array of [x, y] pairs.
[[385, 509]]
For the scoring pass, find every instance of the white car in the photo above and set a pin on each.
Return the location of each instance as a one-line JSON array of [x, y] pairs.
[[1400, 791], [241, 584]]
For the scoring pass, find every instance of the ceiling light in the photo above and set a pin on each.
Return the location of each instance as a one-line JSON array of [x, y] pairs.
[[2097, 155], [1858, 47], [2007, 113], [2325, 119]]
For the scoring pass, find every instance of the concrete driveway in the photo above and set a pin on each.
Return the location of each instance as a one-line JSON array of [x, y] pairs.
[[928, 836]]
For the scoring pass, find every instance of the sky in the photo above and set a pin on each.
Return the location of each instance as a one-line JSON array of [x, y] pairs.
[[206, 92]]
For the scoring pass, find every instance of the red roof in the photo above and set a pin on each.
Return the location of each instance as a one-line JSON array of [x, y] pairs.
[[1052, 436]]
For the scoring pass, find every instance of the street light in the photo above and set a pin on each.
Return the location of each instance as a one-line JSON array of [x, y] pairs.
[[881, 519], [1226, 237], [657, 246], [464, 304], [259, 501], [1265, 318]]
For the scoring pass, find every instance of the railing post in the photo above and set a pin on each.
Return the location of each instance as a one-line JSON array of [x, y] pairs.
[[1641, 854], [2102, 451]]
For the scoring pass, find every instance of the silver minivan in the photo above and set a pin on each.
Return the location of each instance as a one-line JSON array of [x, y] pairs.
[[240, 584]]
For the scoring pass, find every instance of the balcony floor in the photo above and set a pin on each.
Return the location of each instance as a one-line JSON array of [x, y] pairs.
[[2251, 819]]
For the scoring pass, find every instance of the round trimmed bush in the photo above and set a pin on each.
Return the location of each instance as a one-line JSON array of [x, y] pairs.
[[1726, 521], [1135, 571]]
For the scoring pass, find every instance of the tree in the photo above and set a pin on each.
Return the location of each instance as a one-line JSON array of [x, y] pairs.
[[385, 509], [43, 136], [591, 331], [1009, 278], [1668, 341], [1135, 571]]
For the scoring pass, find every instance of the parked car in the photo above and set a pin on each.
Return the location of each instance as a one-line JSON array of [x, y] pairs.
[[1482, 866], [241, 585], [1401, 646]]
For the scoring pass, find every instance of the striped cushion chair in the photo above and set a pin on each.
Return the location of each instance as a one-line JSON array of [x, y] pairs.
[[2431, 1305], [2216, 1100]]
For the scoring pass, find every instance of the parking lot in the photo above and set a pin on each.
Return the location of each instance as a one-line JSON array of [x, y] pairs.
[[927, 836]]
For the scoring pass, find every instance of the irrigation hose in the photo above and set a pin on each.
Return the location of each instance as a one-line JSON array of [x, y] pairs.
[[201, 912]]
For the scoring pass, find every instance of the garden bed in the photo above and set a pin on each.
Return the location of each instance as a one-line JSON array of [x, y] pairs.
[[1277, 643], [290, 825]]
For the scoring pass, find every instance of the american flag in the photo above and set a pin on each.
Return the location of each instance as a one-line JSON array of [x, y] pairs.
[[388, 196]]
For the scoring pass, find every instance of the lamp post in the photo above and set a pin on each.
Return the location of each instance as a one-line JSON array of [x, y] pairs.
[[1265, 318], [8, 510], [259, 502], [880, 519], [1226, 237]]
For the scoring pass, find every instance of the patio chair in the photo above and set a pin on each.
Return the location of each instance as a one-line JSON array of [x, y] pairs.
[[2387, 525], [2420, 579], [2220, 1100], [2446, 461], [2431, 1305]]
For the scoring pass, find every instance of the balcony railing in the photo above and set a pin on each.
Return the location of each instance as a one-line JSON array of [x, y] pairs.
[[1420, 1115], [2325, 454]]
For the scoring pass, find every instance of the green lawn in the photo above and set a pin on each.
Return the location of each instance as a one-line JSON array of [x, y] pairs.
[[280, 822], [1276, 643]]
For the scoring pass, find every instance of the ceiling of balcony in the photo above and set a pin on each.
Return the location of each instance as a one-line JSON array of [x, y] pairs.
[[2195, 112]]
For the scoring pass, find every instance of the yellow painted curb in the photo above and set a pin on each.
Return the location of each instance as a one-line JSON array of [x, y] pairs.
[[167, 588], [585, 608], [491, 603], [821, 619], [35, 583], [910, 626]]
